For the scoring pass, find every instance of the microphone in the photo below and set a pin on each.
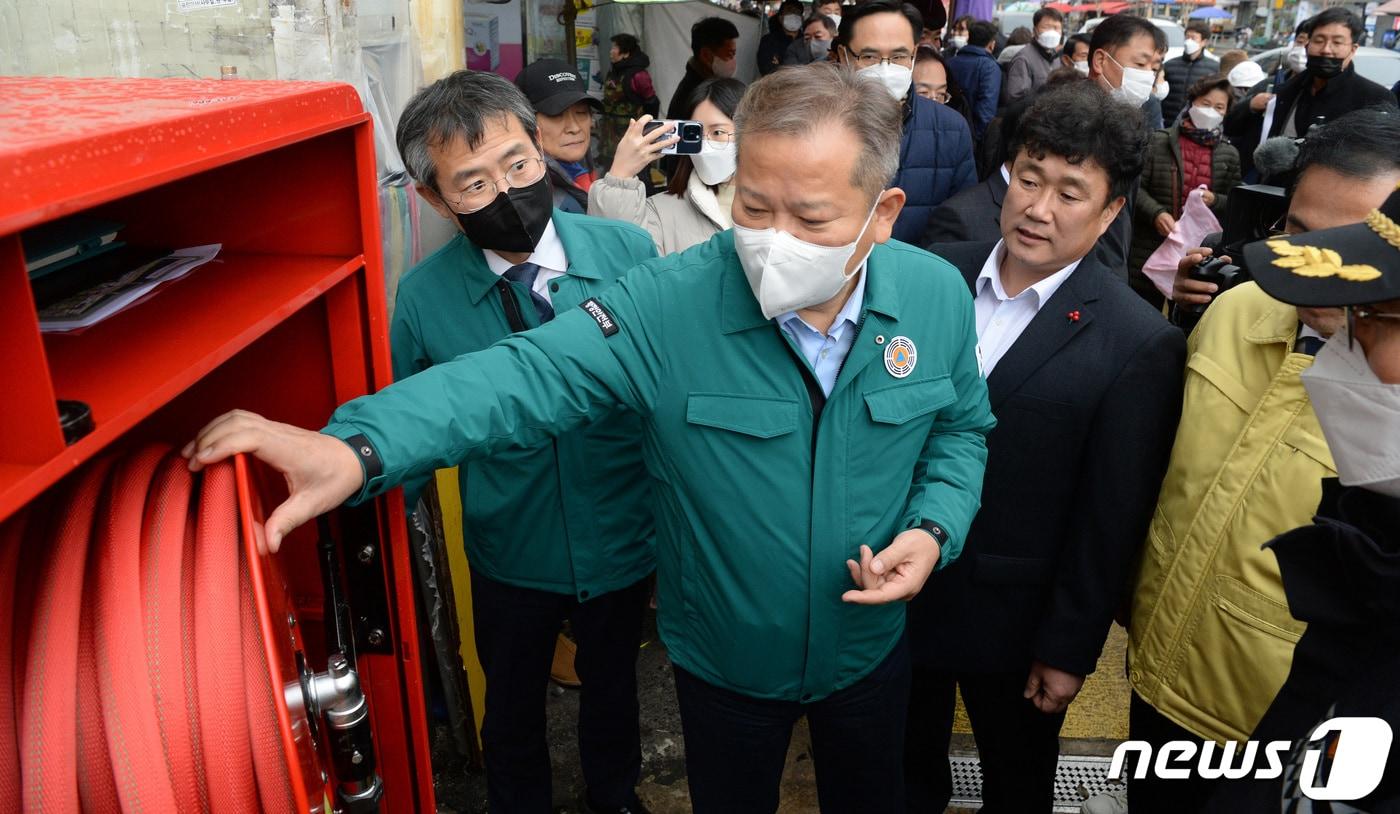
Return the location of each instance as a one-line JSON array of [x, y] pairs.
[[1276, 156]]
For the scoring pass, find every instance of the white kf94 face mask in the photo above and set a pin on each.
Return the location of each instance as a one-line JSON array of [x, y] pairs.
[[1359, 414], [788, 274], [715, 162], [1136, 86], [896, 78]]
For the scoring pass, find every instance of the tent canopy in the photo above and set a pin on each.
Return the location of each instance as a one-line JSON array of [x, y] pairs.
[[1210, 13]]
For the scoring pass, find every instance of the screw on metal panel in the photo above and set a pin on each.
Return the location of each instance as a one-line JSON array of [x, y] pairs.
[[375, 637], [291, 620], [357, 758], [367, 554]]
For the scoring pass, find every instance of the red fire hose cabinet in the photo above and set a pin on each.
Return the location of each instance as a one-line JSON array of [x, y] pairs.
[[150, 657]]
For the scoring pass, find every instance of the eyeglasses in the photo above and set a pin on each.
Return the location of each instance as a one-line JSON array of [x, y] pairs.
[[941, 96], [871, 60], [719, 135], [480, 193], [1362, 313]]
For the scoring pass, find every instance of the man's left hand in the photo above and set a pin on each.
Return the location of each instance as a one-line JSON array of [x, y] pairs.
[[896, 573], [1050, 689]]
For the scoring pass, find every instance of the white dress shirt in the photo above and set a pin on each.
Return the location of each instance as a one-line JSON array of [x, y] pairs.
[[548, 255], [1001, 319]]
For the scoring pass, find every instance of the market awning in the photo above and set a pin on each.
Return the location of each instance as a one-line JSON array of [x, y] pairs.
[[1112, 7]]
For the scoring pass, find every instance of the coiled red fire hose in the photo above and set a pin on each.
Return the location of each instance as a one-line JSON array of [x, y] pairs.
[[133, 674]]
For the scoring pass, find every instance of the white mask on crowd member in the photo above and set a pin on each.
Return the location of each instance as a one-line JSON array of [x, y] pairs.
[[1296, 59], [791, 22], [835, 18], [1082, 66], [1161, 90], [1360, 416], [725, 68], [1191, 47], [1205, 118], [715, 162], [1049, 40], [957, 42], [1135, 87], [896, 78], [788, 274]]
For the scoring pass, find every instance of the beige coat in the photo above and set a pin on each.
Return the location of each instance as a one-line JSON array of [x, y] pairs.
[[674, 223]]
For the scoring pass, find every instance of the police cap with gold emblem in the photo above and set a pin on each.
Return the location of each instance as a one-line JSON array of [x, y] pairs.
[[1349, 265]]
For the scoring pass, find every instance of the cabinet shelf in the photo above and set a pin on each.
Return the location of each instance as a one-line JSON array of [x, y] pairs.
[[127, 367]]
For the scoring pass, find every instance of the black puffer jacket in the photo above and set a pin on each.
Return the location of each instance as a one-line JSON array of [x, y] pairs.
[[1159, 189], [1182, 73], [1341, 576]]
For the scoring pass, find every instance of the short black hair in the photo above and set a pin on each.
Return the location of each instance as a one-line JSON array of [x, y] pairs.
[[858, 13], [627, 44], [711, 32], [1359, 144], [1019, 36], [1207, 84], [1305, 27], [1198, 27], [981, 33], [1337, 15], [1047, 13], [1073, 42], [459, 105], [1121, 29], [965, 20], [825, 21], [1078, 121]]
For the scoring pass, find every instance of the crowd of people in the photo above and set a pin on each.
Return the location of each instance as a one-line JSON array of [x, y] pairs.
[[874, 384]]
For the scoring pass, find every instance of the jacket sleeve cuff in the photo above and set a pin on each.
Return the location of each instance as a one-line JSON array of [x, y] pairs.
[[611, 180], [367, 453], [940, 535]]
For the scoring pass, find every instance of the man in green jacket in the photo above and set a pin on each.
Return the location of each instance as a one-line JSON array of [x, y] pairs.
[[809, 396], [560, 528]]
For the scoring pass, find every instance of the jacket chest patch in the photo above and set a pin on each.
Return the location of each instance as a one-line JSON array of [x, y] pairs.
[[900, 357]]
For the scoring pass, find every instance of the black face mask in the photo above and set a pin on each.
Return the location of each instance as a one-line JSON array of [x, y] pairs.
[[514, 222], [1324, 67]]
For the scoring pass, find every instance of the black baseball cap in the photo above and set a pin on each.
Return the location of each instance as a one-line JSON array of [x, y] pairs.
[[553, 86], [1357, 264]]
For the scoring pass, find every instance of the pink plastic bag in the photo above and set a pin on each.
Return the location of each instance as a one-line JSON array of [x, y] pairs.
[[1195, 223]]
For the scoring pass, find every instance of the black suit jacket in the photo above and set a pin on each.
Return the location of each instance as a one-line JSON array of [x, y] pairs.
[[974, 214], [1086, 412]]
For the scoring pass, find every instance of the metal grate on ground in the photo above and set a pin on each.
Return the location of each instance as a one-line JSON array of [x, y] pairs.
[[1089, 774]]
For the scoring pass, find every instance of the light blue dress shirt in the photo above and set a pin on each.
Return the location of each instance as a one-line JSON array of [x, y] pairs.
[[826, 352]]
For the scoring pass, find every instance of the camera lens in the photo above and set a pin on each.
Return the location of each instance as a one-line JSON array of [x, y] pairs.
[[692, 132]]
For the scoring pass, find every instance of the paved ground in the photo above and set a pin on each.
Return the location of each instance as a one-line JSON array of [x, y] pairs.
[[1097, 719]]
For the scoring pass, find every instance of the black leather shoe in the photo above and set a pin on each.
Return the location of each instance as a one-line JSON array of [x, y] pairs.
[[635, 807]]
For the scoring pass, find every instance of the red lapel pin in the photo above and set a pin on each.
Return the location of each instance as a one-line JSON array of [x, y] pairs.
[[1073, 316]]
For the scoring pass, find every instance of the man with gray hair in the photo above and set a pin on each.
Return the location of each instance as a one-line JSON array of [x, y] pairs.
[[813, 425], [555, 529]]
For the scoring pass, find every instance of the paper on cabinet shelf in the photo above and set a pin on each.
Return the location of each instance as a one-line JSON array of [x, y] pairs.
[[89, 307]]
